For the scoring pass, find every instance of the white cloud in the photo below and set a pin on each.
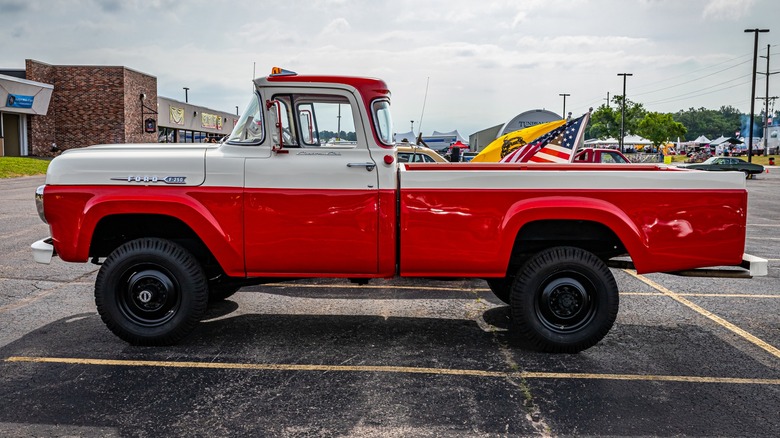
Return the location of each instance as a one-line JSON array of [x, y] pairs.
[[336, 27], [487, 61], [727, 10]]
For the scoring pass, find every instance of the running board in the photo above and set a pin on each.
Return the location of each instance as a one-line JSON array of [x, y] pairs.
[[751, 265]]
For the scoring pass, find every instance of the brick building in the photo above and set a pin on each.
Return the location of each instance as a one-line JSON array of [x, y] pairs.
[[91, 105], [88, 105]]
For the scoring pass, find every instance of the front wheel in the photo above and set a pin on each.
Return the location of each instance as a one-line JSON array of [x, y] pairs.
[[151, 292], [564, 300]]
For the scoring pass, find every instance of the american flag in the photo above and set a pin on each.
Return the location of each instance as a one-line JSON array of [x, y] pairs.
[[556, 146]]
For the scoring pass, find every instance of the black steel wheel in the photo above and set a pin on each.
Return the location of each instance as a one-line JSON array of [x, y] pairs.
[[564, 300], [151, 292]]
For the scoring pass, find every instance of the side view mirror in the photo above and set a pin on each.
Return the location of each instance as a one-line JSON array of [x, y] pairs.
[[274, 108]]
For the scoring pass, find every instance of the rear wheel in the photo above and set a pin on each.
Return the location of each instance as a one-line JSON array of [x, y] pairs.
[[151, 292], [564, 300]]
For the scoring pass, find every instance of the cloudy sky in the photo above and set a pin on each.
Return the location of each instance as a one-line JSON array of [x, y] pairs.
[[482, 62]]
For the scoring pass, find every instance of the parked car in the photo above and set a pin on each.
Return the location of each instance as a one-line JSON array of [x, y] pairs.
[[728, 163], [467, 156], [418, 154], [595, 155]]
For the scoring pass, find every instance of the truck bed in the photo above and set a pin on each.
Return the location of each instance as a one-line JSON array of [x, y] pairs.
[[464, 218]]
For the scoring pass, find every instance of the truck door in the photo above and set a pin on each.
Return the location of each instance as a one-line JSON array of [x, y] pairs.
[[312, 206]]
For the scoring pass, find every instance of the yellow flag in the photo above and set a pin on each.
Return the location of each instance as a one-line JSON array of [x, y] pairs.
[[502, 146]]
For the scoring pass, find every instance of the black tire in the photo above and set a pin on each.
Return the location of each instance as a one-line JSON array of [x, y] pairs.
[[501, 288], [151, 292], [564, 300]]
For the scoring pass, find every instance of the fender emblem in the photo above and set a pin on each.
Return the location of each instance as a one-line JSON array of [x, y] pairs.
[[152, 179]]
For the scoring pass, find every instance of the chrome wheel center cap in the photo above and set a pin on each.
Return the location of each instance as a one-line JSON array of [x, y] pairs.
[[145, 296]]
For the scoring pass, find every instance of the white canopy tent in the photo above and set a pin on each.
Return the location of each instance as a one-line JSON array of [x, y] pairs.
[[636, 140], [702, 140], [454, 133], [410, 136]]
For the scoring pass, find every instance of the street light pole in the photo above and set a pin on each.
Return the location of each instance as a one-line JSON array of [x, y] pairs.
[[186, 99], [564, 103], [623, 111], [766, 100], [753, 89]]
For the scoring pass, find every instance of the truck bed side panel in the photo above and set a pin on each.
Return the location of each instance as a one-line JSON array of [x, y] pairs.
[[448, 229]]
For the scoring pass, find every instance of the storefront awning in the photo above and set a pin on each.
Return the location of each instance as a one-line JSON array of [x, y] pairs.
[[24, 97]]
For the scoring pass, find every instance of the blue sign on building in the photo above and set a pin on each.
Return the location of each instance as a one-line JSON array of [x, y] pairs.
[[19, 101]]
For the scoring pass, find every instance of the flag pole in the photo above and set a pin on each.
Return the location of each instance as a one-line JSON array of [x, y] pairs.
[[580, 140]]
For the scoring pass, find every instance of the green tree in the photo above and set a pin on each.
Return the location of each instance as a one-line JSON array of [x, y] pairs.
[[660, 128], [605, 121], [710, 123]]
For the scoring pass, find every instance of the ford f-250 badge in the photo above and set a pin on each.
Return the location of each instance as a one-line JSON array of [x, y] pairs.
[[152, 179]]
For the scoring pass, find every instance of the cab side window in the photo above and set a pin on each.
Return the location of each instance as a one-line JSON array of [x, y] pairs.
[[314, 120], [326, 121]]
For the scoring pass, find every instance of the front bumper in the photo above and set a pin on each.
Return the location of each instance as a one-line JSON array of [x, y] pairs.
[[43, 251]]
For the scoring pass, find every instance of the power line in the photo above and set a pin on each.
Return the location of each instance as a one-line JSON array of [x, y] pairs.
[[692, 80], [743, 59], [693, 93], [698, 70], [596, 101]]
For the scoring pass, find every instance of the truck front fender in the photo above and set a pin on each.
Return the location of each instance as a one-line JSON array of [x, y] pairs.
[[213, 214]]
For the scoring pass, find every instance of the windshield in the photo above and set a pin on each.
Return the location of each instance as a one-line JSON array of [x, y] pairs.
[[612, 157], [710, 160], [249, 129]]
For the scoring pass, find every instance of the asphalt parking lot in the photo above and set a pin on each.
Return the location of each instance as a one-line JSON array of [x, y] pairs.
[[686, 357]]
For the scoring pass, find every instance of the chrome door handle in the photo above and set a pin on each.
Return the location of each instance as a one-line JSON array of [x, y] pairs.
[[369, 166]]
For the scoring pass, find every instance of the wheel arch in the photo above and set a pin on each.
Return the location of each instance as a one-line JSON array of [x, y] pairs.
[[114, 230], [108, 224], [594, 225]]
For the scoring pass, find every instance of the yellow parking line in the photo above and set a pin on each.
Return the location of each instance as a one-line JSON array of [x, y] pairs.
[[388, 369], [29, 299], [771, 296], [704, 312]]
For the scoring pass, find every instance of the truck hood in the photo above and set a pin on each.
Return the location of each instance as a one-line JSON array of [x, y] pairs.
[[131, 164]]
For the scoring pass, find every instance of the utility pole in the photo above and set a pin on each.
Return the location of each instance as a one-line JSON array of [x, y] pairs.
[[607, 99], [186, 98], [623, 111], [753, 89], [766, 101], [564, 103]]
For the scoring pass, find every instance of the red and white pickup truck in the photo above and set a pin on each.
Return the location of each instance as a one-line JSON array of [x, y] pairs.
[[174, 226]]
